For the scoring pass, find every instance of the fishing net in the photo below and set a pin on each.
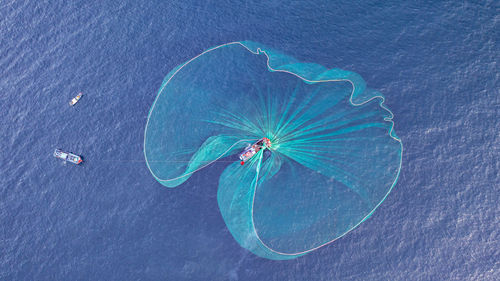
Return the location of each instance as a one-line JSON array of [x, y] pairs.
[[334, 156]]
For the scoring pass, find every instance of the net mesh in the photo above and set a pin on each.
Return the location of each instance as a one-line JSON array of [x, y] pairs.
[[333, 159]]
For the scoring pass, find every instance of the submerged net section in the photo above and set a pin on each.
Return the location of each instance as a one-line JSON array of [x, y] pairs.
[[333, 159]]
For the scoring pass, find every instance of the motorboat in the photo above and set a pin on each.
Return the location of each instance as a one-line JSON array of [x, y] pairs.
[[76, 99], [67, 156]]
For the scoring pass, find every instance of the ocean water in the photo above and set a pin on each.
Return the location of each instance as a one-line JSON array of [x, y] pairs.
[[436, 62]]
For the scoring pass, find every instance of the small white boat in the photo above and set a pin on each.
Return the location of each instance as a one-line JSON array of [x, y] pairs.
[[76, 99], [67, 156]]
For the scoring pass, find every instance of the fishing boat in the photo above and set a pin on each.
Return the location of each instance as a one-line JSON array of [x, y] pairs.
[[76, 99], [251, 150], [67, 156]]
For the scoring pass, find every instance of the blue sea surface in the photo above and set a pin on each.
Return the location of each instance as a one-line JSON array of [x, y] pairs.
[[436, 62]]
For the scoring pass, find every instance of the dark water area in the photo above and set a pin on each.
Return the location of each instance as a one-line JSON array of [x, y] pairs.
[[436, 62]]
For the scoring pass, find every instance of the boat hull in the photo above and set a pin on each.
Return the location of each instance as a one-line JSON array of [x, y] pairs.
[[67, 156], [75, 99]]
